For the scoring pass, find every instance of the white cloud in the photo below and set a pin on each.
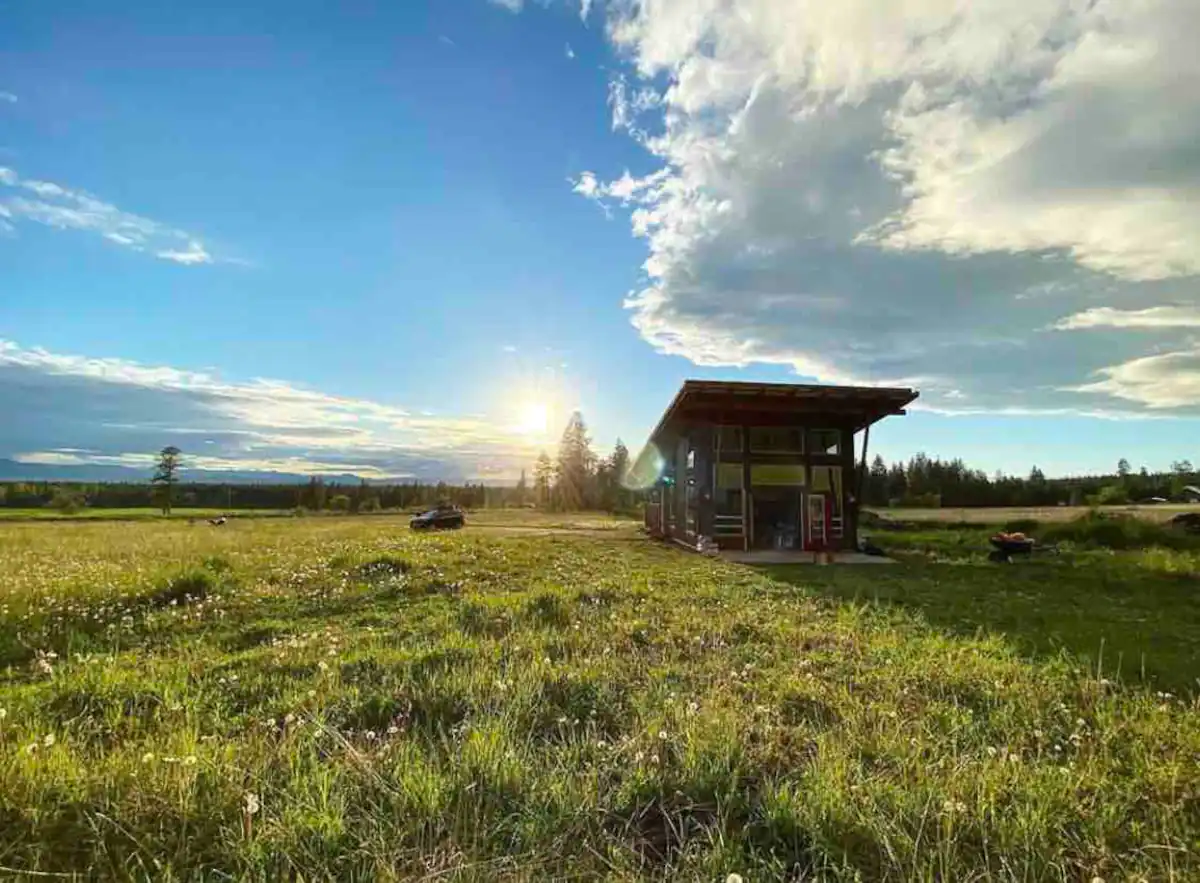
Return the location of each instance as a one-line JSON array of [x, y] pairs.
[[1151, 317], [570, 52], [881, 191], [8, 98], [585, 9], [193, 254], [510, 5], [62, 208], [115, 407], [1169, 380]]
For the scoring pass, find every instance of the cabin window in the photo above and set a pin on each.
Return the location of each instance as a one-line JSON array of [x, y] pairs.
[[777, 439], [825, 441], [727, 499], [778, 474], [691, 459], [729, 475], [729, 439]]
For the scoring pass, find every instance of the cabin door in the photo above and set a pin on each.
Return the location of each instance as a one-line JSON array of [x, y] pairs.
[[817, 511]]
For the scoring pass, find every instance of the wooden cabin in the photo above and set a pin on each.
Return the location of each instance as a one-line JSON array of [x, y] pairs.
[[763, 465]]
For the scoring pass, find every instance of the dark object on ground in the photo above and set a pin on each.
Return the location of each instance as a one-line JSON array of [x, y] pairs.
[[1008, 544], [869, 548], [1187, 521], [217, 522], [441, 518]]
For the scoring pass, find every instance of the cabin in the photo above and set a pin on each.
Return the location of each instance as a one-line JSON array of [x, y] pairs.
[[762, 465]]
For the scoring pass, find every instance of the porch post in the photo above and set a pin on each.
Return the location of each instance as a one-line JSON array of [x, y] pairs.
[[862, 481]]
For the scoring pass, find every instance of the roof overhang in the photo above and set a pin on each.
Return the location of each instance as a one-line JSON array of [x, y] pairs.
[[729, 402]]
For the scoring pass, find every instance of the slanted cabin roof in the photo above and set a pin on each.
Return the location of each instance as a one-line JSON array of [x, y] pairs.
[[714, 401]]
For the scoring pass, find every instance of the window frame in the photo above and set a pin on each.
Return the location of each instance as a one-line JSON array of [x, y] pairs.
[[819, 450], [782, 431]]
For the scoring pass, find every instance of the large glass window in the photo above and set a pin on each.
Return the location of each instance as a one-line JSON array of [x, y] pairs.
[[729, 439], [779, 474], [825, 441], [777, 439]]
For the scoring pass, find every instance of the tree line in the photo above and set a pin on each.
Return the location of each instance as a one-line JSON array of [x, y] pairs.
[[575, 479], [931, 481]]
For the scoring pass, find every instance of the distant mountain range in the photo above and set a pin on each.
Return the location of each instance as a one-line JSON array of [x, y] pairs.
[[11, 470]]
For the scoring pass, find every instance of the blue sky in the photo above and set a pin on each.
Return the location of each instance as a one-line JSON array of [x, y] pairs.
[[435, 228]]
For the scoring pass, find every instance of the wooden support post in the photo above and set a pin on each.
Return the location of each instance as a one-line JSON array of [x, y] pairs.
[[862, 483]]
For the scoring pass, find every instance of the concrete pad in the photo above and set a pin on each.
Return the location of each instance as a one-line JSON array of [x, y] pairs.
[[790, 556]]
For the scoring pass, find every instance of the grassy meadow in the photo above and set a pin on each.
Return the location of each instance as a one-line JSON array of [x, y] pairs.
[[1046, 514], [337, 698]]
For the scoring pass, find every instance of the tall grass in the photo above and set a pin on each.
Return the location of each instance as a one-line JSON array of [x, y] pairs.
[[341, 700]]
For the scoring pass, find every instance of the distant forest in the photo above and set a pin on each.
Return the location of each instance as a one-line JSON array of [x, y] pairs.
[[577, 478], [925, 482]]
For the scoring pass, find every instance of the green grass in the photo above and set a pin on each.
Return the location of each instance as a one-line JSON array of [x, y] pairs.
[[341, 699], [127, 514]]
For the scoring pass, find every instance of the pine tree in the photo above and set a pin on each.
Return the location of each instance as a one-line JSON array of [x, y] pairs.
[[543, 476], [877, 494], [575, 467], [521, 490], [166, 476]]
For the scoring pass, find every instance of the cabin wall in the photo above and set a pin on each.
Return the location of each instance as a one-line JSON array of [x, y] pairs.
[[705, 505]]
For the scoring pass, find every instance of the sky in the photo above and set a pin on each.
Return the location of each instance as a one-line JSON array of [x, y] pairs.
[[407, 239]]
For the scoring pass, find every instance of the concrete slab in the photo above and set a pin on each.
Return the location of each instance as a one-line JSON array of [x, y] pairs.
[[789, 556]]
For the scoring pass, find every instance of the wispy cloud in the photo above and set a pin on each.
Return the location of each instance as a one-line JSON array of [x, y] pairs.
[[585, 9], [8, 98], [570, 52], [107, 411], [53, 205], [510, 5], [1151, 317]]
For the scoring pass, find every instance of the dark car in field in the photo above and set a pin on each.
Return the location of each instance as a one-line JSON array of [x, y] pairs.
[[441, 518]]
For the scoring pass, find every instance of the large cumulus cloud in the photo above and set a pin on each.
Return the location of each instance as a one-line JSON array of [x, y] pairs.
[[958, 195]]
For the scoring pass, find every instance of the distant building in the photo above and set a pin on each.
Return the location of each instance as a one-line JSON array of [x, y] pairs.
[[1191, 494], [762, 465]]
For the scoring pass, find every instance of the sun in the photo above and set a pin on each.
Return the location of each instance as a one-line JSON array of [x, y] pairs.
[[533, 418]]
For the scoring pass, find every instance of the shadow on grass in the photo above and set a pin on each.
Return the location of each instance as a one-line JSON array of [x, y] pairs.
[[1119, 621]]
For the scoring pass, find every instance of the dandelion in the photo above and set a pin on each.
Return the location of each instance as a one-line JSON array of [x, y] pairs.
[[148, 757], [662, 734], [31, 748], [370, 734], [654, 759], [251, 803], [48, 739], [991, 751], [393, 730], [734, 878], [190, 760]]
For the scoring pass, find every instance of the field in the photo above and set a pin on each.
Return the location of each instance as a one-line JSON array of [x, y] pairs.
[[983, 515], [337, 698], [132, 514]]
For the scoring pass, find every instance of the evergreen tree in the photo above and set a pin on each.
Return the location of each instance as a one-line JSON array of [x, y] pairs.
[[575, 467], [877, 492], [521, 490], [166, 476], [543, 477]]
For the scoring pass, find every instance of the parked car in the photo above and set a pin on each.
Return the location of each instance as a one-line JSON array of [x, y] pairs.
[[441, 518]]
